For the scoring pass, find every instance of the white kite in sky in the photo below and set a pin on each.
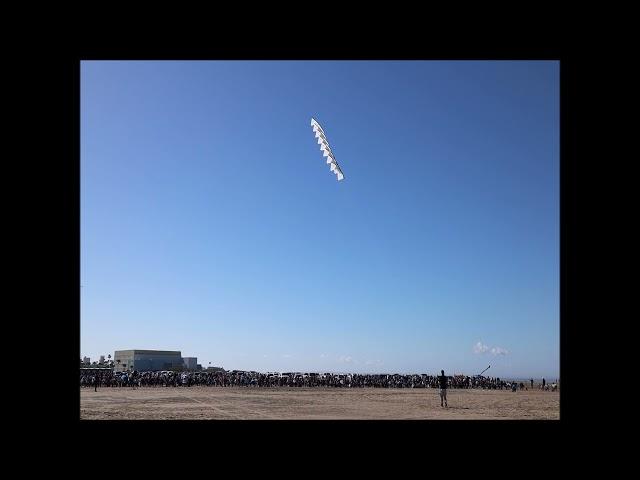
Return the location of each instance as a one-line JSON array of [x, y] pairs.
[[326, 150]]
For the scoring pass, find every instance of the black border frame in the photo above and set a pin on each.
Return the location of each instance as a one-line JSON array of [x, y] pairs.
[[69, 188]]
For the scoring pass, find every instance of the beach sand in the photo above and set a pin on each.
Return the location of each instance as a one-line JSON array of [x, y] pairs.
[[217, 403]]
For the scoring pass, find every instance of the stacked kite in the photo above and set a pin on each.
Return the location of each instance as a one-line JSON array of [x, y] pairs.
[[326, 151]]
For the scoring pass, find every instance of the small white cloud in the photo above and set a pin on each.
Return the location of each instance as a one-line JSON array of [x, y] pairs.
[[346, 359], [482, 348], [323, 355], [499, 351], [287, 355]]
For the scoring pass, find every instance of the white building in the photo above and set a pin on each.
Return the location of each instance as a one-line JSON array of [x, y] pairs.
[[144, 360]]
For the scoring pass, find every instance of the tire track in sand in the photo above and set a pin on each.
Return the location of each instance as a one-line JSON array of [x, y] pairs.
[[234, 415], [216, 408]]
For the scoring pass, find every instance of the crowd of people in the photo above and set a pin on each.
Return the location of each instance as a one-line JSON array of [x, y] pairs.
[[235, 378]]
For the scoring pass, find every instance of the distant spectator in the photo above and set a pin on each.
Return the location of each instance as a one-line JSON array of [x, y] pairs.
[[235, 378]]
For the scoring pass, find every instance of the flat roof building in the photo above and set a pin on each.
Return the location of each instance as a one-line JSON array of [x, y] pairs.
[[142, 360]]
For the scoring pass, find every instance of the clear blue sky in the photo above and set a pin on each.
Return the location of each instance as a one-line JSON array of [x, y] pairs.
[[211, 224]]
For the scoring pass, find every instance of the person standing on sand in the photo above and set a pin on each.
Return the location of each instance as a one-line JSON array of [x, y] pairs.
[[442, 380], [532, 384], [95, 382], [543, 383]]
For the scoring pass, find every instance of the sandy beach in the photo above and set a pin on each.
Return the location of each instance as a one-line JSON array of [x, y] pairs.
[[218, 403]]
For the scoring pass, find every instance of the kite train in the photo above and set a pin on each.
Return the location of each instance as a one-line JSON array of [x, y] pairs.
[[326, 151]]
